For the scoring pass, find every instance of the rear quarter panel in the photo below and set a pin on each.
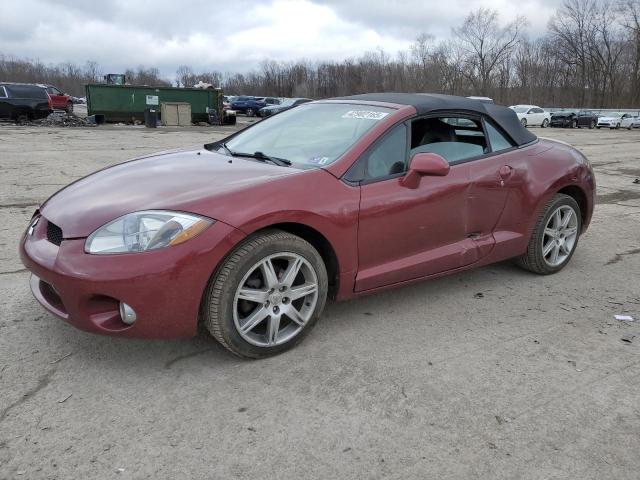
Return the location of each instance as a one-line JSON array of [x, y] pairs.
[[541, 171]]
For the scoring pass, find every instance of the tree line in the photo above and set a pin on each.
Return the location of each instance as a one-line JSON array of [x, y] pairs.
[[589, 57]]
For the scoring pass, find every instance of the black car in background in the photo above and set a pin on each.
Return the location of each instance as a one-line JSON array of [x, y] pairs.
[[583, 118], [286, 104], [23, 102]]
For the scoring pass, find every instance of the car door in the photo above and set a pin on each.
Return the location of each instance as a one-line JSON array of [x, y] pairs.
[[583, 119], [58, 100], [493, 177], [406, 233], [531, 117]]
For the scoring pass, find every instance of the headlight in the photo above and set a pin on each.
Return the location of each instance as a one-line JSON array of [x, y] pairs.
[[144, 231]]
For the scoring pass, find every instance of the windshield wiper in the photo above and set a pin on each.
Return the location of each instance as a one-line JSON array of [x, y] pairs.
[[281, 162]]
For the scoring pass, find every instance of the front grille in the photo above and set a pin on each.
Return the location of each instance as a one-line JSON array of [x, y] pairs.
[[54, 233]]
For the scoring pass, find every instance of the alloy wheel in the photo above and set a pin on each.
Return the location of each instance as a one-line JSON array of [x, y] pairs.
[[560, 235], [275, 299]]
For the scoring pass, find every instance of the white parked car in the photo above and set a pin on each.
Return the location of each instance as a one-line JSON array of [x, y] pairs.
[[630, 122], [531, 115], [613, 120]]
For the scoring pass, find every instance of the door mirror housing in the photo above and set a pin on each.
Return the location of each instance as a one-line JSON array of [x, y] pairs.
[[424, 164]]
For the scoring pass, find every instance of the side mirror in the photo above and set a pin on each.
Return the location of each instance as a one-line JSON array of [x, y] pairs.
[[424, 164]]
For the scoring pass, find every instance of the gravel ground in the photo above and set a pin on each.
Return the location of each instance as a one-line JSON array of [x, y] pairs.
[[529, 380]]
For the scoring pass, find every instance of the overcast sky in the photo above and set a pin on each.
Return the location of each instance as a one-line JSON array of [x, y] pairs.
[[233, 35]]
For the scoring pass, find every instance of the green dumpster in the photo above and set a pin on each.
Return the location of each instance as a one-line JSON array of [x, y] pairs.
[[127, 103]]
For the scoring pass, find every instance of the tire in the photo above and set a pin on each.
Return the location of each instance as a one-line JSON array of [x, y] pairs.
[[222, 306], [617, 126], [534, 260], [22, 118], [592, 124], [69, 108], [574, 124], [524, 122], [545, 123], [250, 112]]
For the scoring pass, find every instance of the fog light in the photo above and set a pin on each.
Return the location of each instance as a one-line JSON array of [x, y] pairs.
[[127, 314]]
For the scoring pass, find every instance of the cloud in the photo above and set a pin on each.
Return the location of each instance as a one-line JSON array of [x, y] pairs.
[[232, 35]]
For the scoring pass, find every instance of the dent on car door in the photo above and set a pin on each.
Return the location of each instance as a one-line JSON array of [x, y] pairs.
[[407, 233], [492, 179]]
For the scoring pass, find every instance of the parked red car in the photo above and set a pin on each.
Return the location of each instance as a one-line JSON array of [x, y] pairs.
[[335, 198], [59, 100]]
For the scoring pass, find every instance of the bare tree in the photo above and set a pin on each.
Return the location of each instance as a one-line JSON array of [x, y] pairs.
[[487, 44]]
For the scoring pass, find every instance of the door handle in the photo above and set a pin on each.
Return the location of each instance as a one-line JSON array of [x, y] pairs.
[[505, 171]]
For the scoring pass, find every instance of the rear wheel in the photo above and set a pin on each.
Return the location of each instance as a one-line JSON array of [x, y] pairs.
[[554, 238], [592, 124], [545, 123], [574, 124], [69, 108], [523, 122], [267, 295]]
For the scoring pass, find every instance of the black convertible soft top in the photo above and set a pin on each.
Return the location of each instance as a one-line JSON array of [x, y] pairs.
[[427, 102]]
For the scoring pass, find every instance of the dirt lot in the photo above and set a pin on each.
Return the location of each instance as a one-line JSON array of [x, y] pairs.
[[529, 381]]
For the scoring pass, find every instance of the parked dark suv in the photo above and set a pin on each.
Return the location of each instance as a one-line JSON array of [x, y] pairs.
[[583, 118], [22, 102]]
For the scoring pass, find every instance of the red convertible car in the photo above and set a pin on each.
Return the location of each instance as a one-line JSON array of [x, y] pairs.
[[336, 198]]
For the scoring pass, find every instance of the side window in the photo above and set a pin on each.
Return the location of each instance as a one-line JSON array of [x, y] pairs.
[[498, 140], [454, 139], [389, 156]]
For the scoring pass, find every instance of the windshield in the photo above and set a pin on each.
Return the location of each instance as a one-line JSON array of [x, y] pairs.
[[311, 134], [520, 109]]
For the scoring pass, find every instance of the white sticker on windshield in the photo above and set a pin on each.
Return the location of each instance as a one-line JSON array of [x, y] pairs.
[[365, 114]]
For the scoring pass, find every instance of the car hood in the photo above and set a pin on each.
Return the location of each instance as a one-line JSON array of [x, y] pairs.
[[184, 180]]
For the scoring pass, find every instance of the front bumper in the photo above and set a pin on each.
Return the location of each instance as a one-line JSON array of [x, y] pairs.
[[560, 123], [164, 287]]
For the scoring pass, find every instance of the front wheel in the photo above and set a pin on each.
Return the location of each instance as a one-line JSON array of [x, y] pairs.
[[574, 124], [554, 238], [69, 108], [523, 122], [592, 124], [267, 295], [545, 123]]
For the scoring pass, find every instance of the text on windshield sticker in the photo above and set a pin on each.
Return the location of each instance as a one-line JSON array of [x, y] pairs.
[[365, 114]]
